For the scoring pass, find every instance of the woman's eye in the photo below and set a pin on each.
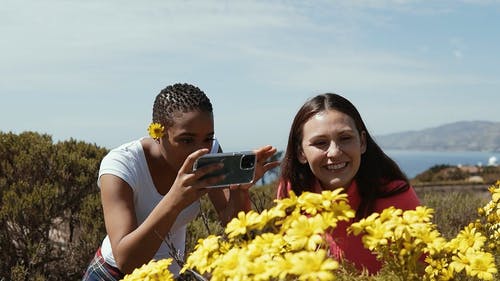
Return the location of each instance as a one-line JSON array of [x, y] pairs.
[[319, 143], [345, 138], [186, 141]]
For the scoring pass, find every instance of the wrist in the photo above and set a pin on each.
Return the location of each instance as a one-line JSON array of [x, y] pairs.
[[171, 206], [240, 198]]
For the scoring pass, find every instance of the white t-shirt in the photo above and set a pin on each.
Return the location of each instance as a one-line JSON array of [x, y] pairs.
[[128, 162]]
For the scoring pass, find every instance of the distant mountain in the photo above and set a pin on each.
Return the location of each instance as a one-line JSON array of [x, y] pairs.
[[459, 136]]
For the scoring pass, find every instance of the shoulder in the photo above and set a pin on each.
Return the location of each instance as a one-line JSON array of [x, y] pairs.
[[395, 186], [123, 161], [129, 148]]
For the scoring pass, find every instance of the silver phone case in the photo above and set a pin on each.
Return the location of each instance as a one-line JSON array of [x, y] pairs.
[[239, 167]]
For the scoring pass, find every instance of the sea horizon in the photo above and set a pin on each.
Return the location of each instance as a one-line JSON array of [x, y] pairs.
[[414, 162]]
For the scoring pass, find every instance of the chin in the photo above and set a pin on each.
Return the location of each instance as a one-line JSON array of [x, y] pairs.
[[333, 184]]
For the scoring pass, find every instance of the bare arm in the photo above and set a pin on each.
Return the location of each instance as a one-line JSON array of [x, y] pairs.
[[133, 244]]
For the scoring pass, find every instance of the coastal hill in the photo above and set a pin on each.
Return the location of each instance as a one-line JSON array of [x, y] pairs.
[[459, 136]]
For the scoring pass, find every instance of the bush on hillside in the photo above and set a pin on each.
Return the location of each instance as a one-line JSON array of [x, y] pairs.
[[49, 207], [449, 174], [454, 209]]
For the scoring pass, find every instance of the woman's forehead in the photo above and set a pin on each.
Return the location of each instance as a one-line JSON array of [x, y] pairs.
[[193, 121]]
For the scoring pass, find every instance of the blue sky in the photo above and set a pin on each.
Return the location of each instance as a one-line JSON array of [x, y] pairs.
[[90, 70]]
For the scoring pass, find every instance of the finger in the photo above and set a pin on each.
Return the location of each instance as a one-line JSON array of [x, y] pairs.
[[264, 149], [205, 170], [264, 168], [205, 175], [210, 181], [201, 178], [187, 167], [270, 165], [240, 186], [265, 152]]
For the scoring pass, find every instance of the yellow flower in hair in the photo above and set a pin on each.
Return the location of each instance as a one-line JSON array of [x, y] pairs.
[[156, 130]]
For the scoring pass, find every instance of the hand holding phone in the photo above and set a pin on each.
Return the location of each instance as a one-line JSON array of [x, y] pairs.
[[239, 167]]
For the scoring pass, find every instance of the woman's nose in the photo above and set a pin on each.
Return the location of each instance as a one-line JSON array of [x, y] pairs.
[[333, 150]]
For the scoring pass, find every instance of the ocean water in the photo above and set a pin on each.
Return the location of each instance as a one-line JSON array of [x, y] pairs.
[[413, 162]]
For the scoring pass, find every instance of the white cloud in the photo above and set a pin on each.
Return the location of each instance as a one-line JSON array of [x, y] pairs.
[[458, 54], [97, 53], [458, 45]]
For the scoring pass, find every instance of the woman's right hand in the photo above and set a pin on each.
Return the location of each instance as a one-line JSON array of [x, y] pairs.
[[188, 185]]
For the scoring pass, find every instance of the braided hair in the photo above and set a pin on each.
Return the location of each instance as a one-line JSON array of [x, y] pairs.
[[179, 98]]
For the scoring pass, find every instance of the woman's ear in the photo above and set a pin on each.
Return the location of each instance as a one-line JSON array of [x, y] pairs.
[[363, 142], [163, 139], [302, 158]]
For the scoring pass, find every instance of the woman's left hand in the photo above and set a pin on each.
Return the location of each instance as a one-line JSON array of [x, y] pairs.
[[261, 165]]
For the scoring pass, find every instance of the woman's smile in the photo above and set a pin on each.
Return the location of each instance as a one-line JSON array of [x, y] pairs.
[[336, 167], [332, 147]]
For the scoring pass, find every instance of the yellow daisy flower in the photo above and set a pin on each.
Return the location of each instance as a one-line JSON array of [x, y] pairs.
[[156, 130], [243, 223], [153, 271]]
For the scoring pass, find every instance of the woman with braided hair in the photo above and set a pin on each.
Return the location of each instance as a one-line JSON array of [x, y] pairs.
[[149, 191]]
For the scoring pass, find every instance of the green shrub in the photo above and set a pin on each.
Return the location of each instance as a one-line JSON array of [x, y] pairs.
[[52, 218], [49, 207], [454, 209]]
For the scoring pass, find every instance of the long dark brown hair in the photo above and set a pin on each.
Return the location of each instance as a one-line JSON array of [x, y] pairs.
[[376, 168]]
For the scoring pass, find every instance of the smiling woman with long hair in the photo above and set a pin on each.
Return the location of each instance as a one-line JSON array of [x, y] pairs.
[[330, 147]]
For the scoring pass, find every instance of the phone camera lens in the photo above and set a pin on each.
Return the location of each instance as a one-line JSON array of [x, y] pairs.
[[247, 161]]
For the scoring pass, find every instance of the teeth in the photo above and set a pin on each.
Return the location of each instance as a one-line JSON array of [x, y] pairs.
[[337, 166]]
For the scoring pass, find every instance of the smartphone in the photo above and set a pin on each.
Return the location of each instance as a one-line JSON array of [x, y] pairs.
[[239, 167]]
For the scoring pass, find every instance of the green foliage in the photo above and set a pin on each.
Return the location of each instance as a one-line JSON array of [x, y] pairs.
[[491, 174], [453, 209], [207, 223], [436, 173], [263, 197], [52, 219], [448, 174], [204, 224], [49, 207]]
